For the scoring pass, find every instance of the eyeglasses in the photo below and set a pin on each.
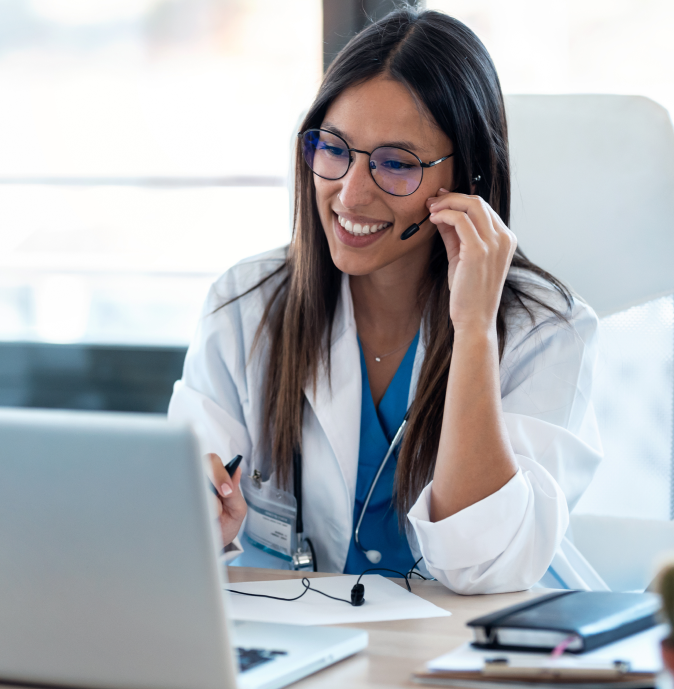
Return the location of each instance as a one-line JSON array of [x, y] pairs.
[[396, 171]]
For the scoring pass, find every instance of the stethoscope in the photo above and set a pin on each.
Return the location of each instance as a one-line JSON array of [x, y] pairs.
[[305, 556]]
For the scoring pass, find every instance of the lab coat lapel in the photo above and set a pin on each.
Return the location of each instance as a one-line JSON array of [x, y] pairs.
[[418, 363], [336, 400]]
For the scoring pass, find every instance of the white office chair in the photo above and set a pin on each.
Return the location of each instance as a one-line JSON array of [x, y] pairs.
[[625, 552], [593, 203]]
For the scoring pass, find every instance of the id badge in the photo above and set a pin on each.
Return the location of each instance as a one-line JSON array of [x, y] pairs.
[[271, 519]]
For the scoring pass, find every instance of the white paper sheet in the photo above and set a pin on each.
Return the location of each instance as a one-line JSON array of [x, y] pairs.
[[384, 600], [641, 650]]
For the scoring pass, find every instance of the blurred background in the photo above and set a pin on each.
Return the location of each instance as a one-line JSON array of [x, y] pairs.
[[144, 149]]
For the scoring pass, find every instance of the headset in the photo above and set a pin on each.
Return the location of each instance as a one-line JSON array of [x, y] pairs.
[[305, 555], [357, 592]]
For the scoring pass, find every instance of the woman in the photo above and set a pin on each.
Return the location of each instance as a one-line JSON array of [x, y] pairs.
[[401, 260]]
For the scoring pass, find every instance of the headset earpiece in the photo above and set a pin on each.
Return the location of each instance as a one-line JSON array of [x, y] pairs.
[[358, 594]]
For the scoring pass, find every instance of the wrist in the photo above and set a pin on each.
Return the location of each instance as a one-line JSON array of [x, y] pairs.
[[475, 333]]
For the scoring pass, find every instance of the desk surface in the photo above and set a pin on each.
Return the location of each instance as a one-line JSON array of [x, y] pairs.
[[397, 648]]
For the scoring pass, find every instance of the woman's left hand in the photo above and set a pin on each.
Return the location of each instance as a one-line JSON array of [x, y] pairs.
[[479, 249]]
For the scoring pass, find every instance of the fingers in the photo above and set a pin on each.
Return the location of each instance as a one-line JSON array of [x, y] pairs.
[[233, 503], [231, 500], [233, 510], [230, 489], [484, 218], [222, 481], [230, 506], [434, 199], [475, 207], [213, 467], [466, 231]]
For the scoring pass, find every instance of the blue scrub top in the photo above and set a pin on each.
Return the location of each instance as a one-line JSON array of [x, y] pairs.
[[379, 530]]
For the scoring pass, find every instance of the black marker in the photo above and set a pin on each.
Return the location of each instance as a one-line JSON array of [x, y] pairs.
[[230, 467], [233, 465]]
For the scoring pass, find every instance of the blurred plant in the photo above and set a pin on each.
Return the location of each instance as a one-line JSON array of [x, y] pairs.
[[667, 591]]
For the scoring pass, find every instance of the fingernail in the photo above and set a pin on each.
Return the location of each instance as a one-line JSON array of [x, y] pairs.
[[433, 204], [225, 489], [445, 190]]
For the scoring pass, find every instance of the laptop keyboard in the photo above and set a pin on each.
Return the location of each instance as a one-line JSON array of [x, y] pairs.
[[253, 657]]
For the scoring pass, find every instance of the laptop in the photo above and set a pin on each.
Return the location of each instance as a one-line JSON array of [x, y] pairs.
[[109, 575]]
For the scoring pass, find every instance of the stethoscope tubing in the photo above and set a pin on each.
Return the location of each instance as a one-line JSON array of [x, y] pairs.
[[297, 467], [373, 485]]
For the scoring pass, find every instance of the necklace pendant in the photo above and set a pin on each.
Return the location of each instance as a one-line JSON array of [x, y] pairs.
[[377, 359]]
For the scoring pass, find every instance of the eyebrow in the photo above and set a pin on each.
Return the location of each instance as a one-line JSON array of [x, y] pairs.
[[409, 145]]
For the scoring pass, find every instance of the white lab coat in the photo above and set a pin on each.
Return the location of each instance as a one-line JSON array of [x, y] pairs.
[[505, 542]]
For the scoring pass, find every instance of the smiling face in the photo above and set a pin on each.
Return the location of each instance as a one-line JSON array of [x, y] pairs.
[[379, 112]]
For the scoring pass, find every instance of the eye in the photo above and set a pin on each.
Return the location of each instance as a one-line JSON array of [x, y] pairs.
[[397, 165], [331, 149], [394, 161]]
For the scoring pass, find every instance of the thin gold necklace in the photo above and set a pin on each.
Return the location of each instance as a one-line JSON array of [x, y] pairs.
[[383, 356]]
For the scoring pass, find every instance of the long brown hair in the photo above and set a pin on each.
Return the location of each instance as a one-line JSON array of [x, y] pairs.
[[449, 71]]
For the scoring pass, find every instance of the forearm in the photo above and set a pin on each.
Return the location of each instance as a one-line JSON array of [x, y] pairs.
[[475, 458]]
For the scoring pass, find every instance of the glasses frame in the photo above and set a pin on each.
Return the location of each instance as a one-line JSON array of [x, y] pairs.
[[433, 163]]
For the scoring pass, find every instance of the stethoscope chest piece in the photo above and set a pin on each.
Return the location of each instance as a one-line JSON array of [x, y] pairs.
[[303, 558]]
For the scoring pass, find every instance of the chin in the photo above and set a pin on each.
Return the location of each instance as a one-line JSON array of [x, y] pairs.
[[353, 265]]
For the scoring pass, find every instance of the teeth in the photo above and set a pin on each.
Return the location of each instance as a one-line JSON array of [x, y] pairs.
[[358, 229]]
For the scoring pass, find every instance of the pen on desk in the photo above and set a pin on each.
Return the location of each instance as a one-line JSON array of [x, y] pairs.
[[230, 467]]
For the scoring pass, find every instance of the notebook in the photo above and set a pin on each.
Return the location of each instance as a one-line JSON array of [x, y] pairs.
[[633, 662], [581, 620]]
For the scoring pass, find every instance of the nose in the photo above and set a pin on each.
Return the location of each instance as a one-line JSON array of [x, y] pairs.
[[357, 185]]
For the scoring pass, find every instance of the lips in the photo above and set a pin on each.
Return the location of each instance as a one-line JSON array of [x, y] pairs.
[[361, 240]]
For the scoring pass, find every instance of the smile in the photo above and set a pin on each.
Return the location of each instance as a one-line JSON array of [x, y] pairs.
[[358, 230]]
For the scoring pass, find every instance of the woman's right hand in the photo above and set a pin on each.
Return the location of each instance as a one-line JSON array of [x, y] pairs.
[[230, 503]]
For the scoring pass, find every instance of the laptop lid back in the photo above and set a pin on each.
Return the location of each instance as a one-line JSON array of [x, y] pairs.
[[108, 572]]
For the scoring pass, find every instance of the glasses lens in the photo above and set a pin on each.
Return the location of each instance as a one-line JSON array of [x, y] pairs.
[[326, 154], [395, 171]]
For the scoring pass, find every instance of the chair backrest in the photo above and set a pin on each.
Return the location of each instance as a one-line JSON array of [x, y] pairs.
[[593, 203], [626, 553], [593, 193]]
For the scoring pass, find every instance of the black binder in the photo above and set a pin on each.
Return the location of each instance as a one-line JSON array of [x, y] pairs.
[[582, 620]]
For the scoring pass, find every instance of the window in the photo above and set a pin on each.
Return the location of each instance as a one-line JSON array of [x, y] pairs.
[[145, 149], [575, 46]]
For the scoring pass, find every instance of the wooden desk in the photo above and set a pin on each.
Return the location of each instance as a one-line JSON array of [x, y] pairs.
[[397, 648]]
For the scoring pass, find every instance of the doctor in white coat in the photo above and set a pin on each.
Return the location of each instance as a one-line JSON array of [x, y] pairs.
[[397, 296]]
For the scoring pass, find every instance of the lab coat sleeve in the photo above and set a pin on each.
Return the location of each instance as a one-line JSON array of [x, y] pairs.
[[507, 541], [208, 396]]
